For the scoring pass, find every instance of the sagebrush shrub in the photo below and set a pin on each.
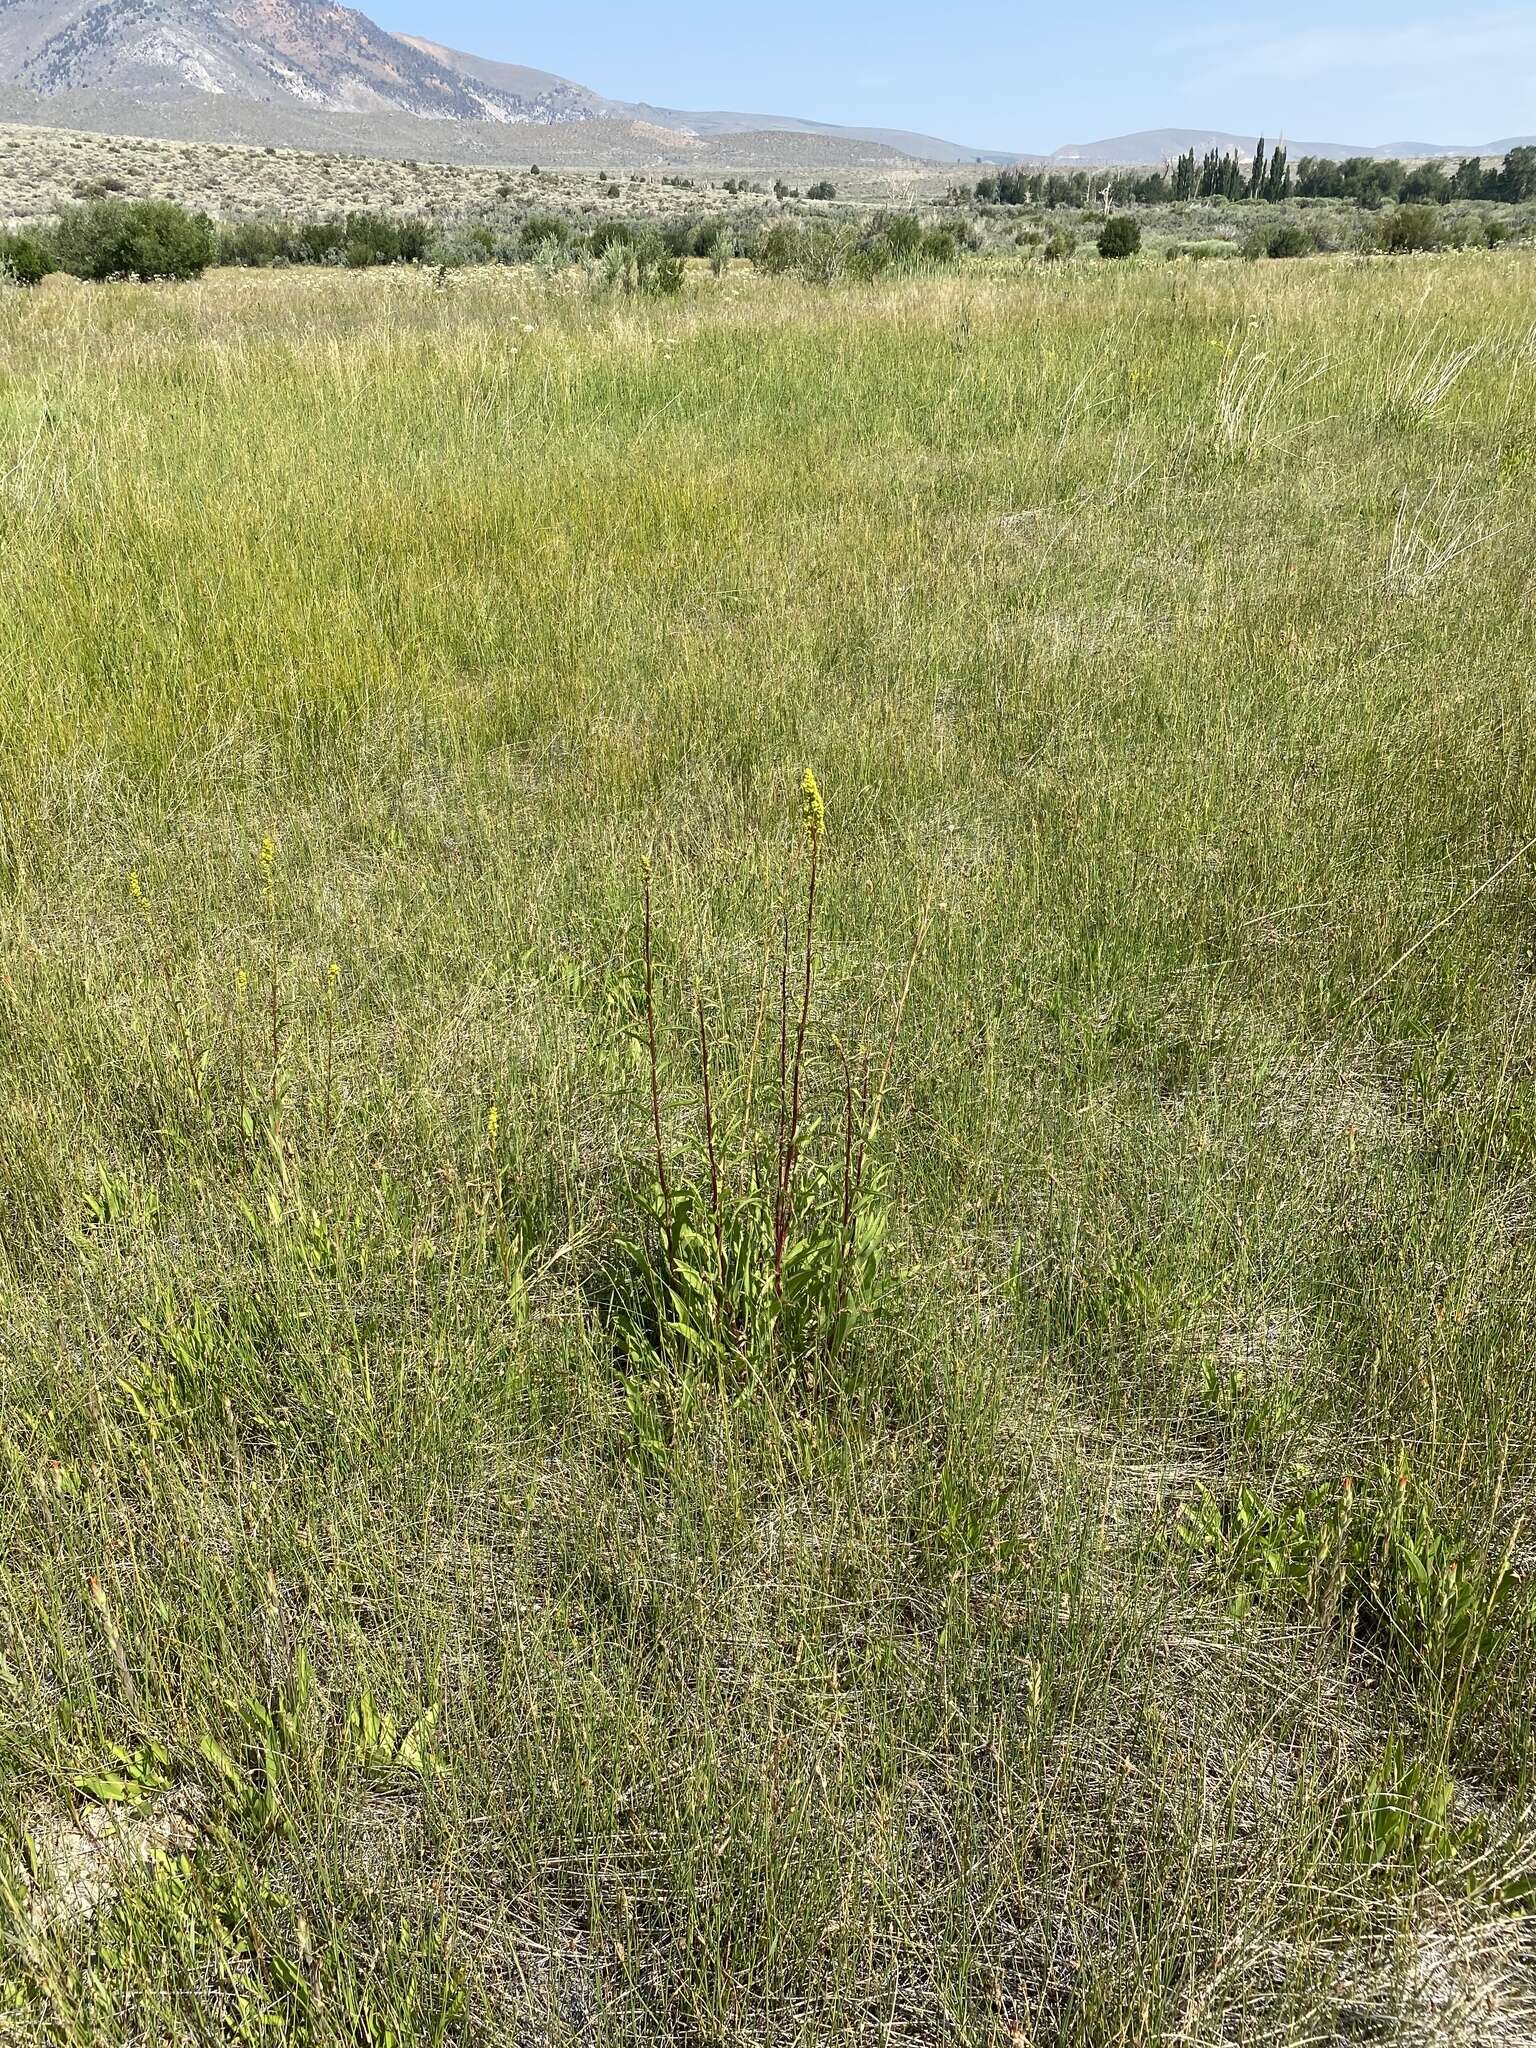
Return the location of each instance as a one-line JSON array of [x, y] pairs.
[[1288, 241], [374, 238], [1410, 230], [902, 234], [779, 250], [25, 259], [144, 238], [541, 227]]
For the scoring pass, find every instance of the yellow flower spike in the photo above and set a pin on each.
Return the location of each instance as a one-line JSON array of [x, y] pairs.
[[135, 886], [492, 1119], [813, 811], [242, 981], [333, 977]]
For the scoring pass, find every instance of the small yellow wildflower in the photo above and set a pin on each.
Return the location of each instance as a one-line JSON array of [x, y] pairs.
[[492, 1120], [242, 981], [135, 886], [813, 811], [333, 977]]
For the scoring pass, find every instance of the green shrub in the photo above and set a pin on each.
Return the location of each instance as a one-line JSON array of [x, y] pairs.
[[830, 256], [465, 246], [639, 262], [1289, 241], [827, 252], [1121, 237], [1060, 246], [254, 244], [359, 240], [1409, 230], [779, 250], [939, 245], [370, 239], [25, 259], [320, 241], [821, 190], [541, 227], [145, 238], [609, 234], [902, 234]]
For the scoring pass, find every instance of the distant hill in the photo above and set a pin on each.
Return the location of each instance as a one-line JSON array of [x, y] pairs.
[[515, 78], [315, 74], [1152, 146]]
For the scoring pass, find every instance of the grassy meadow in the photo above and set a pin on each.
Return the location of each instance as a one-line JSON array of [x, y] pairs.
[[452, 1589]]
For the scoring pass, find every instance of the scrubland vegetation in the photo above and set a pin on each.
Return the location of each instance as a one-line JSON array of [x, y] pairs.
[[597, 225], [638, 1410], [1267, 176]]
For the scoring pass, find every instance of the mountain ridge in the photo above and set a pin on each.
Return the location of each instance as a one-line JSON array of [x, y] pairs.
[[280, 70], [1150, 146], [925, 148]]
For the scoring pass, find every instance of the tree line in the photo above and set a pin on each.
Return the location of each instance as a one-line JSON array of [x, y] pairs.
[[1368, 181]]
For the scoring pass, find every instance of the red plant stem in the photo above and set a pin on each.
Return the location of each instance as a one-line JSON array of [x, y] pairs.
[[847, 1146], [792, 1139], [650, 1033], [783, 1107], [709, 1146]]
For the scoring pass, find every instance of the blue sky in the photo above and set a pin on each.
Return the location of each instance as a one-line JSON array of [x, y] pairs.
[[1018, 74]]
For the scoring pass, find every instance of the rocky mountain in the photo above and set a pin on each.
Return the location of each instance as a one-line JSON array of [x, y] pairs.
[[288, 57], [313, 53], [515, 78], [270, 67], [314, 73]]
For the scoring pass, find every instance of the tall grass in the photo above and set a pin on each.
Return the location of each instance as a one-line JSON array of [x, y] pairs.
[[387, 1653]]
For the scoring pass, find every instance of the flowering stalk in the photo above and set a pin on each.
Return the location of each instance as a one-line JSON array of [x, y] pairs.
[[813, 815], [709, 1146]]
